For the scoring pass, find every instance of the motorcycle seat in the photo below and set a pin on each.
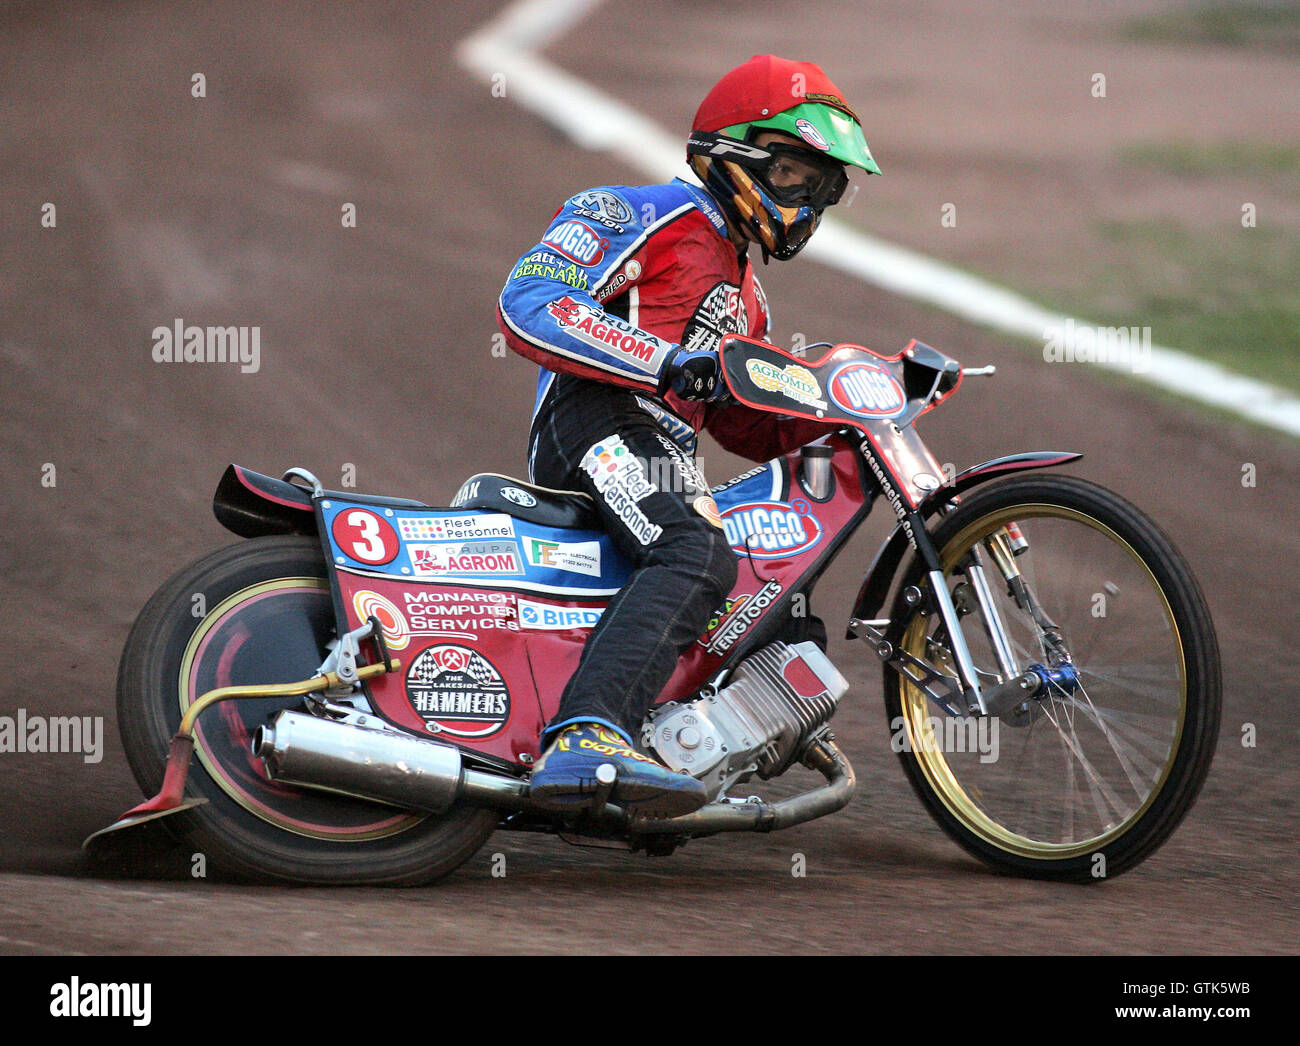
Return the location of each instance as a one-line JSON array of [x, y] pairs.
[[562, 509]]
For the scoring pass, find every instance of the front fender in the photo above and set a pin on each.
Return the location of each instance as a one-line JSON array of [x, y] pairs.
[[880, 575]]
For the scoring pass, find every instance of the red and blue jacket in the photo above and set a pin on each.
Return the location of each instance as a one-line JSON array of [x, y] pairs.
[[623, 276]]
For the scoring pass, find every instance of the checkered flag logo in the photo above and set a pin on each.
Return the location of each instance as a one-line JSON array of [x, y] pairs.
[[481, 672], [425, 669]]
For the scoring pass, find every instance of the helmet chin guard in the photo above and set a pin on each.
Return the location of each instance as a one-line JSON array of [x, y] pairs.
[[780, 231]]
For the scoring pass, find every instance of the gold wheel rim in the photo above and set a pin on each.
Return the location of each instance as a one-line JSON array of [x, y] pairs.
[[216, 773], [918, 711]]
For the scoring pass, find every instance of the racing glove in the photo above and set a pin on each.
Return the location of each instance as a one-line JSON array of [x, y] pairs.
[[695, 375]]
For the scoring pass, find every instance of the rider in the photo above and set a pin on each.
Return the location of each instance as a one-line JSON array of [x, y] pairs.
[[624, 303]]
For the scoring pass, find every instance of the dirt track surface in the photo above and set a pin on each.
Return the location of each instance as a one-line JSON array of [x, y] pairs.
[[377, 352]]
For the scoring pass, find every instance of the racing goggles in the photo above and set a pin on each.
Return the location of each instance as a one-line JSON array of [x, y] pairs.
[[796, 177], [792, 175]]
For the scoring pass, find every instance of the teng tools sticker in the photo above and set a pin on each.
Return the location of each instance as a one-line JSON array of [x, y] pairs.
[[457, 691]]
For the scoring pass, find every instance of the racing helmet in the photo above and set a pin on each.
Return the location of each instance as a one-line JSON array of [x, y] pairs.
[[778, 190]]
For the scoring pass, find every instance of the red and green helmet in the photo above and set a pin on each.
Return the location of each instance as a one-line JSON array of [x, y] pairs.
[[777, 190]]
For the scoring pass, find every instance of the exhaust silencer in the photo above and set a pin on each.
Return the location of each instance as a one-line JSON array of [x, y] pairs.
[[378, 764]]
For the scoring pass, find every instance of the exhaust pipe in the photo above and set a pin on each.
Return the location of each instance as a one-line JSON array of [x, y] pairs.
[[378, 764], [415, 773]]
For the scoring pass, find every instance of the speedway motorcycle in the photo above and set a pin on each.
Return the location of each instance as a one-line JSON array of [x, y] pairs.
[[364, 679]]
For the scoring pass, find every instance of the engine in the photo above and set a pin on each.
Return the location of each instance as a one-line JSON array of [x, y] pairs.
[[760, 722]]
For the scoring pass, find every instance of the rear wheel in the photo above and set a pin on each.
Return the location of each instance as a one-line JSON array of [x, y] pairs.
[[260, 612], [1107, 760]]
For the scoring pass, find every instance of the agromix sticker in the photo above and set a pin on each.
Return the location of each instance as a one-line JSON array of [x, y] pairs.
[[792, 381], [457, 691]]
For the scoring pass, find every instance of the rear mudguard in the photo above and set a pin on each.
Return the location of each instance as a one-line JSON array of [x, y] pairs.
[[251, 504], [880, 575]]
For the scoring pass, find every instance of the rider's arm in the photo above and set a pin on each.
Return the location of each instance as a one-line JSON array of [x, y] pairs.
[[755, 434], [549, 310], [759, 436]]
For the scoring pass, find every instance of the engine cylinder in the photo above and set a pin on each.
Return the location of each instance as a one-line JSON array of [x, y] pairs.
[[761, 721]]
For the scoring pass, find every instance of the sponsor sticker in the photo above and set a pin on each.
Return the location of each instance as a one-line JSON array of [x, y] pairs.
[[721, 311], [611, 464], [705, 203], [607, 205], [364, 536], [457, 691], [543, 617], [866, 390], [633, 518], [577, 557], [708, 508], [554, 269], [595, 216], [519, 497], [610, 334], [792, 381], [467, 557], [578, 242], [622, 482], [678, 430], [457, 528], [811, 135], [689, 479], [731, 621], [630, 273], [369, 604], [444, 610], [466, 493], [736, 480], [833, 100], [771, 529], [760, 297]]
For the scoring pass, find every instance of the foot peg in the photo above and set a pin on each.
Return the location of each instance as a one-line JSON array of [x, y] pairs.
[[606, 775]]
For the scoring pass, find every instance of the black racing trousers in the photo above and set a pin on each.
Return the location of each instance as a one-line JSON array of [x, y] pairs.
[[596, 438]]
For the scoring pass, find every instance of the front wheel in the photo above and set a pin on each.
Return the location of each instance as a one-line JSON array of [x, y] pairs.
[[1095, 772], [260, 612]]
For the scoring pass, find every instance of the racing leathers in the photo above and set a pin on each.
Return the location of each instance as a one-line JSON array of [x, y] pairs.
[[623, 278]]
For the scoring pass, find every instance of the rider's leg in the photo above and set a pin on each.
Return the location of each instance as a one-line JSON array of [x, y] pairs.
[[645, 490]]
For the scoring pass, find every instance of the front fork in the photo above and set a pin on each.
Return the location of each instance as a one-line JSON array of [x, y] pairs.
[[1010, 696]]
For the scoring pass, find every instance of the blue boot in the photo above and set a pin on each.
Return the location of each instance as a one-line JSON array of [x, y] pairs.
[[564, 778]]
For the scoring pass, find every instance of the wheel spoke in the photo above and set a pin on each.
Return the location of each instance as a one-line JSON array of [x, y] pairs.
[[1090, 771]]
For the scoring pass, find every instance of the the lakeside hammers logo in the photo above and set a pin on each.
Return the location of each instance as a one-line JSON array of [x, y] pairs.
[[457, 691]]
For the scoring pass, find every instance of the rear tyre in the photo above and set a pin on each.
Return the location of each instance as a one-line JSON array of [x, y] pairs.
[[260, 612], [1099, 777]]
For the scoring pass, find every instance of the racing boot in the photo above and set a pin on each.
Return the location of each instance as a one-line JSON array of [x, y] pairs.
[[564, 778]]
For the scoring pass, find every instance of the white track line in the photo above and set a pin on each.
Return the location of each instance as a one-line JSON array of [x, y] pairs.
[[507, 51]]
